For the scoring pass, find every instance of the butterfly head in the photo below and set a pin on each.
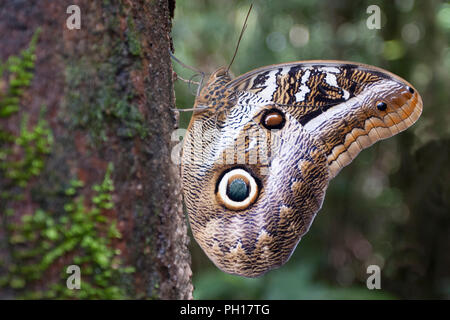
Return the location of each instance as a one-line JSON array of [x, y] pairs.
[[215, 89], [218, 78]]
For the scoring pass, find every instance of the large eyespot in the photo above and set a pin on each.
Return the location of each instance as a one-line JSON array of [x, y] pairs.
[[273, 119], [237, 189]]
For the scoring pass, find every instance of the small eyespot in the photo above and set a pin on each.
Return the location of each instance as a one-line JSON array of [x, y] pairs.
[[273, 119], [381, 106], [237, 189], [411, 90]]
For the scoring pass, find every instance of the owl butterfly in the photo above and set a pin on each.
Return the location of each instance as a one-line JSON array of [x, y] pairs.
[[261, 149]]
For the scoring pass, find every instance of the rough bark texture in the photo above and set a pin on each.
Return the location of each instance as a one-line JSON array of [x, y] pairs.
[[108, 94]]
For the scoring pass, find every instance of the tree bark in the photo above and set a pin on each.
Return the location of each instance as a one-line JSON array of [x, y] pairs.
[[107, 92]]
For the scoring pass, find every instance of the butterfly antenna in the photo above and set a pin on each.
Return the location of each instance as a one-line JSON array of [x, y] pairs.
[[198, 109], [182, 64], [240, 37], [201, 73]]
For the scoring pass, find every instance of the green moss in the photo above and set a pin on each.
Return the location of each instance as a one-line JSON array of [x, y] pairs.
[[134, 42], [102, 105], [107, 103]]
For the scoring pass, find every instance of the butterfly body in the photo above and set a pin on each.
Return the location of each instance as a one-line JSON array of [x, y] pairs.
[[261, 149]]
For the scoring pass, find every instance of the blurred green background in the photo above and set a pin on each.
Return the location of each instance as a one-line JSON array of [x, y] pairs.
[[390, 207]]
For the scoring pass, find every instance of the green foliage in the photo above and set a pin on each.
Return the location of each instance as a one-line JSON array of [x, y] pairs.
[[44, 242], [25, 158], [290, 284], [83, 236], [19, 70], [22, 156]]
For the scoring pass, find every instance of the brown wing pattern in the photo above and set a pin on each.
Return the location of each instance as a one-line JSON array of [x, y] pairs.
[[261, 149]]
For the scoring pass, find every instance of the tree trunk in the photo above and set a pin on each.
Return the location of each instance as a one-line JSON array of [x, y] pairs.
[[86, 177]]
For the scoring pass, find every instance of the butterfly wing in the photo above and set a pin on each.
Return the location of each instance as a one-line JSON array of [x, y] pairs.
[[258, 158], [337, 102]]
